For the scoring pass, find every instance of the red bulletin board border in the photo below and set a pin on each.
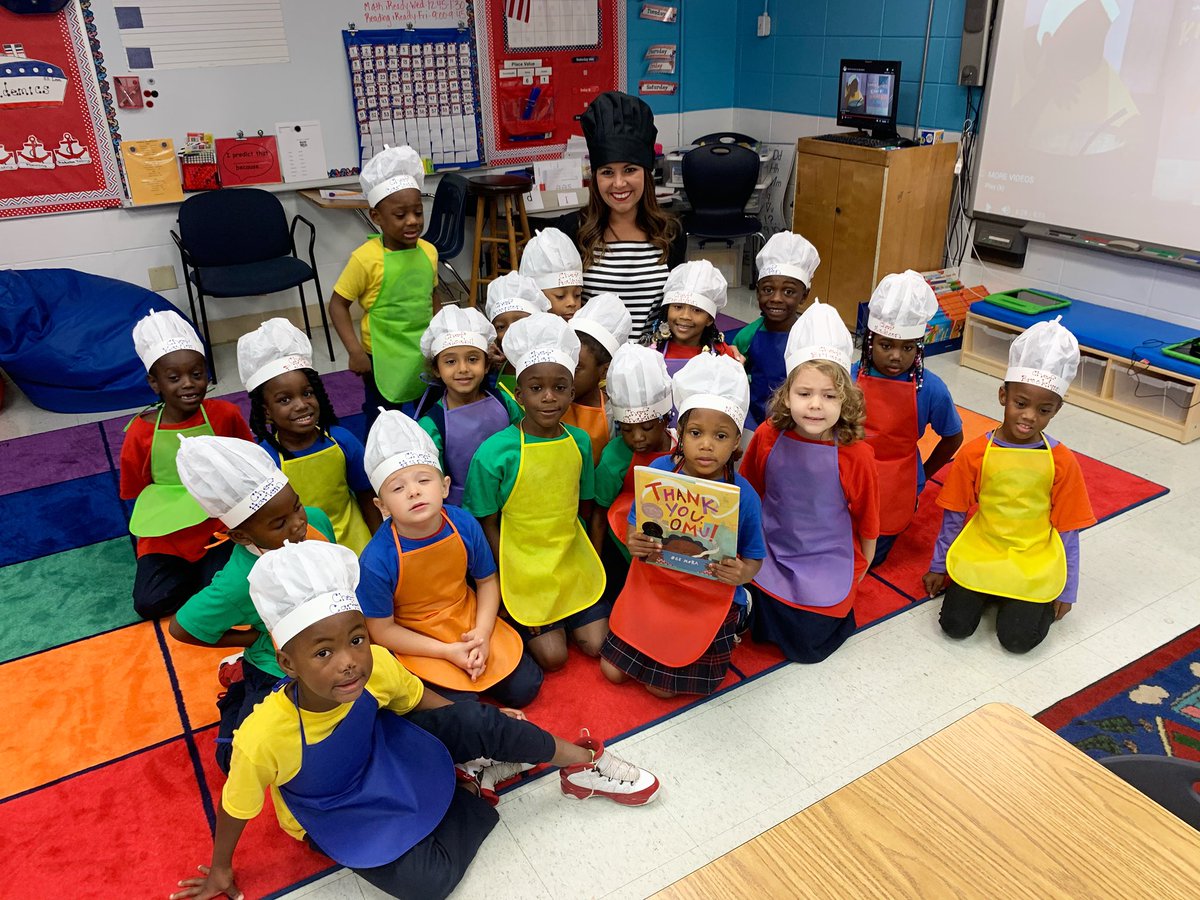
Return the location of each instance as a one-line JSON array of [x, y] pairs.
[[572, 90], [60, 40]]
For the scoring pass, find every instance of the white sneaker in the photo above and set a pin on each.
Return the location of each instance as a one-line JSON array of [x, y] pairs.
[[607, 775]]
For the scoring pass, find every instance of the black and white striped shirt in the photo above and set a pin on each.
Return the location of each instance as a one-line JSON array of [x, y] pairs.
[[632, 271]]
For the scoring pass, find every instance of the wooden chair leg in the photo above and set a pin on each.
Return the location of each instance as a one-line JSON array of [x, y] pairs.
[[477, 251], [493, 230], [525, 232], [513, 259]]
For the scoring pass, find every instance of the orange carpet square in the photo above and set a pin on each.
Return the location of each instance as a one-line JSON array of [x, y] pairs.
[[196, 669]]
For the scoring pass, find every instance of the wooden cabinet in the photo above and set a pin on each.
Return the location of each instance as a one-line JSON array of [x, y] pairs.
[[869, 213]]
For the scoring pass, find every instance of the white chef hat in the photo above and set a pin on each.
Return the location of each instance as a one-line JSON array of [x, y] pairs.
[[789, 255], [697, 283], [712, 381], [394, 443], [230, 478], [551, 260], [606, 319], [818, 334], [391, 169], [1046, 355], [298, 585], [275, 347], [902, 306], [456, 327], [541, 338], [161, 333], [639, 388], [514, 292]]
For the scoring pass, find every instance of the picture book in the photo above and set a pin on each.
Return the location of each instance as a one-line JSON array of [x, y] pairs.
[[696, 519]]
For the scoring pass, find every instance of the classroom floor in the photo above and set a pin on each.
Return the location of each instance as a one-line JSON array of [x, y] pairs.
[[743, 762]]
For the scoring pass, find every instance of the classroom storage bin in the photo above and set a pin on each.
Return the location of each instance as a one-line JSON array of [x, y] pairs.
[[1152, 394], [1090, 377], [992, 342]]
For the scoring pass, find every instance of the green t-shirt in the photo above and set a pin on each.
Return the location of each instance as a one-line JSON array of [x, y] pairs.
[[494, 468], [515, 415], [614, 464], [226, 603]]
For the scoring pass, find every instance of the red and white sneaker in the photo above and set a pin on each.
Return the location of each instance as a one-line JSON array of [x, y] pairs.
[[488, 775], [607, 775], [230, 670]]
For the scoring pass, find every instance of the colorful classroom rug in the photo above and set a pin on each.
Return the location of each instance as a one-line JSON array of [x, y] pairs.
[[107, 785], [1150, 706]]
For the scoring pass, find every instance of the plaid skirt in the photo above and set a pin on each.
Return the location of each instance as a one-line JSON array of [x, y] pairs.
[[703, 676]]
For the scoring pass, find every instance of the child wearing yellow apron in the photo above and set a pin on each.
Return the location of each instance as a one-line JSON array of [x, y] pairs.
[[174, 559], [552, 261], [392, 277], [530, 485], [602, 326], [509, 298], [294, 422], [1021, 547], [414, 588]]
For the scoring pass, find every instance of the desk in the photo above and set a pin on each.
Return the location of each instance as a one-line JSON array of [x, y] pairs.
[[995, 805], [359, 206]]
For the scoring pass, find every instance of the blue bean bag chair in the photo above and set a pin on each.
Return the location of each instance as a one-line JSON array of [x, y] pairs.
[[66, 339]]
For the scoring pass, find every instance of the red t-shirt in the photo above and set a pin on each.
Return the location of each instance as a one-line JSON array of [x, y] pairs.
[[226, 420], [856, 471], [674, 350]]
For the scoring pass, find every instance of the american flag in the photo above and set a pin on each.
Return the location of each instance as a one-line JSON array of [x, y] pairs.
[[519, 9]]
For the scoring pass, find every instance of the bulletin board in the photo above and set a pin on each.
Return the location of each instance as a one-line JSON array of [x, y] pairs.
[[541, 62]]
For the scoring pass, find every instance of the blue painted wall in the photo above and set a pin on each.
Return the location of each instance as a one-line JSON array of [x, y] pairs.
[[705, 70]]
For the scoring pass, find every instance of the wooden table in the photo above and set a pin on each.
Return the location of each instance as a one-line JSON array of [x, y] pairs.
[[359, 206], [994, 806]]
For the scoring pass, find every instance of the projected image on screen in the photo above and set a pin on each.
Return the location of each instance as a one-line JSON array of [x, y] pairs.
[[1093, 117]]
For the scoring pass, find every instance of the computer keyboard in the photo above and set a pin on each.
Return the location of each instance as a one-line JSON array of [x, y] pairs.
[[862, 140]]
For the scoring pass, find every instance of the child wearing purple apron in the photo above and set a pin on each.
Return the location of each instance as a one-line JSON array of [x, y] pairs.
[[685, 325], [603, 326], [819, 493], [461, 411], [360, 758]]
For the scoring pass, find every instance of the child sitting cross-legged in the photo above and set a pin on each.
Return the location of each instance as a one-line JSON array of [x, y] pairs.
[[509, 298], [360, 758], [603, 327]]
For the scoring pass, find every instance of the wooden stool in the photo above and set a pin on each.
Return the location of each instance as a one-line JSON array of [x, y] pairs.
[[497, 199]]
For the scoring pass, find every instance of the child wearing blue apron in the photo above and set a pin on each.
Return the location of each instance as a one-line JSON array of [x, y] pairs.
[[1020, 549], [174, 559], [819, 493], [602, 326], [686, 323], [551, 260], [903, 399], [294, 422], [392, 277], [360, 758], [509, 298]]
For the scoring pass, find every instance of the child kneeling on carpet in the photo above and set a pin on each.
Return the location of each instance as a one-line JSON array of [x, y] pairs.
[[674, 631], [360, 757], [414, 590], [1021, 547], [174, 559], [238, 483]]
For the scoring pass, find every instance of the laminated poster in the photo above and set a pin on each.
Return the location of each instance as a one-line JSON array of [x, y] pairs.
[[248, 160], [695, 518], [152, 171]]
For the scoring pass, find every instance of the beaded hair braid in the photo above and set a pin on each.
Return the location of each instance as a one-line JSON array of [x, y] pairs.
[[326, 417]]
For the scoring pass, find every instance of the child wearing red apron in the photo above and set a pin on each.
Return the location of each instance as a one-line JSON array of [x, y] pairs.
[[174, 559], [462, 410], [530, 485], [360, 758], [819, 493], [602, 326], [1020, 549], [414, 589], [294, 422], [903, 399], [552, 261], [686, 321], [510, 297], [671, 631], [392, 277]]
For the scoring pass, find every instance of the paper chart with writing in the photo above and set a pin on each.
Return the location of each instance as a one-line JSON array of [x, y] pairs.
[[552, 23], [301, 151], [187, 34], [415, 87]]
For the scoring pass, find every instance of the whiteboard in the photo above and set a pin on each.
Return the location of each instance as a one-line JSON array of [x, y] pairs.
[[313, 84]]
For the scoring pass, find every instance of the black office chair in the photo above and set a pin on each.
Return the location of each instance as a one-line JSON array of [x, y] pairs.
[[726, 137], [719, 180], [1169, 782], [447, 220], [236, 242]]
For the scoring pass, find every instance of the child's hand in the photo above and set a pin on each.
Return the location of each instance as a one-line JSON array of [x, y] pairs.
[[733, 571], [642, 545], [460, 655], [481, 646], [1061, 609], [214, 883], [736, 354], [360, 363], [934, 582], [496, 358], [514, 714]]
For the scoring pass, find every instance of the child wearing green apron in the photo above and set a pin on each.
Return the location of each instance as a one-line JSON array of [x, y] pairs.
[[552, 260], [509, 298], [294, 422], [173, 557], [1020, 549], [392, 277]]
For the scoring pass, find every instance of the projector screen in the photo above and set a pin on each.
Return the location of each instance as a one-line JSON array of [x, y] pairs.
[[1092, 118]]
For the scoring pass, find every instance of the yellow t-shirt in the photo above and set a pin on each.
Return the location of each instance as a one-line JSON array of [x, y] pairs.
[[266, 748], [362, 278]]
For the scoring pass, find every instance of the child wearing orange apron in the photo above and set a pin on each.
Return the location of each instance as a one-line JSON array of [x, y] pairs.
[[602, 327], [903, 399], [509, 298], [414, 589], [1021, 547], [686, 321], [672, 631], [294, 422], [530, 485], [552, 261]]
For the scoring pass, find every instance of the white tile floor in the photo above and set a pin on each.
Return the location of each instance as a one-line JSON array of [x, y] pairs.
[[744, 762]]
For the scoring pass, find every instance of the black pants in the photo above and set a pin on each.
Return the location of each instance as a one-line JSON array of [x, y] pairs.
[[1020, 625], [883, 546], [516, 689], [801, 635], [373, 400], [238, 702], [163, 583]]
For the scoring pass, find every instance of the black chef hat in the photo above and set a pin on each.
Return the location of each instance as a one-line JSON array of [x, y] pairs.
[[619, 128]]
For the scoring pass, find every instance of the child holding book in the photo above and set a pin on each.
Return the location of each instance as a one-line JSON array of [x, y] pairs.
[[510, 297], [552, 261], [686, 322], [602, 326]]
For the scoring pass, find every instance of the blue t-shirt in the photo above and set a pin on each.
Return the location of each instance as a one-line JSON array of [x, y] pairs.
[[935, 407], [767, 370], [750, 535], [352, 448], [380, 568]]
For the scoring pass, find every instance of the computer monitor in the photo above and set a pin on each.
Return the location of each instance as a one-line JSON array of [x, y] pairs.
[[868, 91]]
